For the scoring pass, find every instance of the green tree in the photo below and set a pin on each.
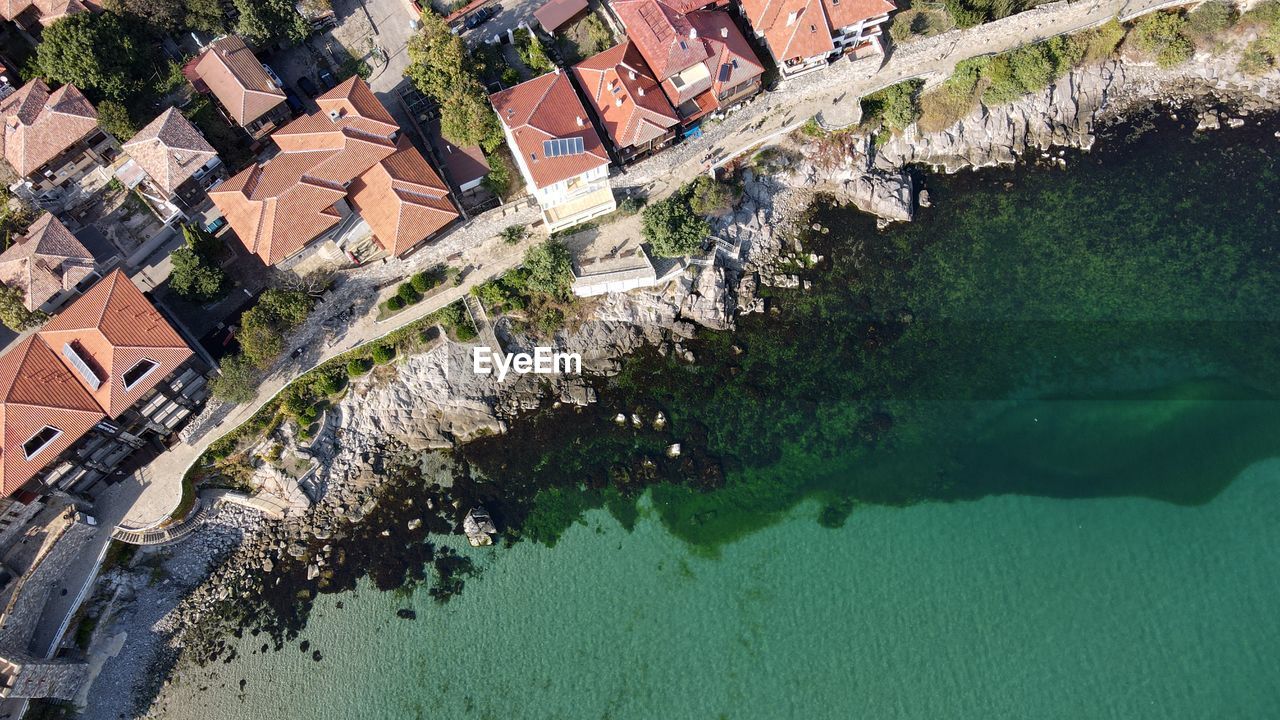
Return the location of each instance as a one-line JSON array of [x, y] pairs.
[[260, 338], [441, 68], [466, 119], [114, 118], [358, 366], [237, 380], [383, 353], [15, 216], [162, 15], [14, 314], [532, 53], [264, 22], [286, 308], [710, 197], [205, 15], [1211, 17], [97, 52], [672, 228], [1163, 35], [194, 278], [513, 234], [895, 107], [550, 268]]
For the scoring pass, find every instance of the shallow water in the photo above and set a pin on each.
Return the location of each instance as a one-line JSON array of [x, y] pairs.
[[1003, 607]]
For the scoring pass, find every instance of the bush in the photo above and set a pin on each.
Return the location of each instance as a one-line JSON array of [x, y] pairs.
[[894, 107], [383, 354], [1210, 18], [1163, 35], [514, 234], [309, 415], [237, 381], [550, 268], [1030, 68], [964, 15], [710, 197], [408, 294], [424, 281], [954, 98], [631, 205], [358, 366], [672, 228], [1263, 52], [1101, 42], [331, 381], [395, 303]]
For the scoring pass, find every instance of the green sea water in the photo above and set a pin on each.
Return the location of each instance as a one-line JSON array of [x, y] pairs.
[[1019, 459]]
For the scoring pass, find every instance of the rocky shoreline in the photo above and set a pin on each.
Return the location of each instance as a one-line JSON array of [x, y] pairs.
[[384, 424]]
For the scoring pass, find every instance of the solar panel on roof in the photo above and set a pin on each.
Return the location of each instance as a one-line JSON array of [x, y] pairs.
[[725, 71], [562, 146]]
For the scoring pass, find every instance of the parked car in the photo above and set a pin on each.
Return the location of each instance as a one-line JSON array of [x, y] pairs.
[[326, 80], [295, 103], [215, 225], [307, 87], [482, 16]]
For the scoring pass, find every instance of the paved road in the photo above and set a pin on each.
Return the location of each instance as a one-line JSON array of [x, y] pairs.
[[830, 92]]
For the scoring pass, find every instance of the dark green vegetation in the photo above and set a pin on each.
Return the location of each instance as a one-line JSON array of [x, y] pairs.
[[968, 13], [196, 274], [672, 227], [1106, 331], [893, 108], [1263, 53], [443, 69], [537, 295]]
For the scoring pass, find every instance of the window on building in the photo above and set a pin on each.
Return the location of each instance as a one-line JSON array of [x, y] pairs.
[[40, 441], [140, 370]]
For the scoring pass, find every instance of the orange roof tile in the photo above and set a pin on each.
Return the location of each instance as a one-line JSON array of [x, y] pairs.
[[170, 150], [278, 208], [45, 261], [801, 29], [37, 390], [236, 77], [402, 199], [626, 97], [730, 59], [547, 108], [39, 124], [662, 33], [113, 327], [46, 10]]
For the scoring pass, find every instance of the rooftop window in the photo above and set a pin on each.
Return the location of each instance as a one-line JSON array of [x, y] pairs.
[[140, 370], [40, 441]]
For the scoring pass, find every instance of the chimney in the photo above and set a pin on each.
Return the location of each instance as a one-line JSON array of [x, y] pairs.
[[724, 32], [791, 19], [631, 74], [334, 114], [618, 102], [693, 33], [581, 122], [640, 91]]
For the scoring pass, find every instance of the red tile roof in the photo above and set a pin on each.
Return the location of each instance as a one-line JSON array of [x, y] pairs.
[[547, 108], [44, 262], [46, 10], [39, 124], [170, 149], [236, 77], [672, 37], [402, 199], [37, 390], [554, 13], [113, 327], [626, 97], [277, 208], [814, 25], [662, 33]]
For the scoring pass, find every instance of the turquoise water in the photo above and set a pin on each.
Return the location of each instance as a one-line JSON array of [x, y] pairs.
[[1003, 607], [1017, 459]]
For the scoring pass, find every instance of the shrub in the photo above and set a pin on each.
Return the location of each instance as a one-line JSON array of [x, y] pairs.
[[408, 294], [550, 268], [631, 205], [1101, 42], [954, 98], [894, 107], [424, 281], [464, 332], [383, 354], [550, 320], [710, 197], [309, 414], [237, 381], [672, 228], [395, 303], [358, 366], [514, 234], [331, 381], [1212, 17], [964, 15], [1163, 35]]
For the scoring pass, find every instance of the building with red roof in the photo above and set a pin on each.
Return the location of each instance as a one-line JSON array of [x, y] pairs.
[[555, 144], [247, 93], [304, 195], [803, 35], [88, 389], [628, 101], [696, 53], [51, 138]]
